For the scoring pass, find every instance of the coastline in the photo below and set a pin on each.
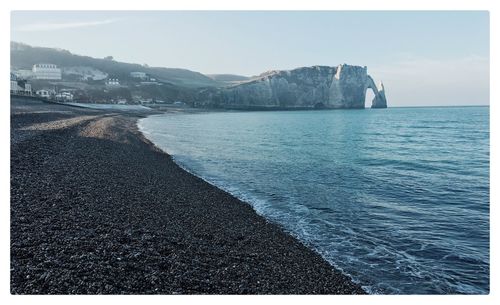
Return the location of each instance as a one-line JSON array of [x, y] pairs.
[[96, 208]]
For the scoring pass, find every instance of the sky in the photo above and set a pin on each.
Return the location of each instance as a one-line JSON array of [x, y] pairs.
[[424, 58]]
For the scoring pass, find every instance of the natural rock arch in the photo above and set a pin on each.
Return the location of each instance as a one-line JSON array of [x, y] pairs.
[[379, 101], [341, 87], [369, 96]]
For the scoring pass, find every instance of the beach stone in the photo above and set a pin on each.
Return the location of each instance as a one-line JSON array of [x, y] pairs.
[[96, 208]]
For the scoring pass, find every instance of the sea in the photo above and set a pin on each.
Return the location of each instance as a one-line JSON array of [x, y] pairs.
[[397, 198]]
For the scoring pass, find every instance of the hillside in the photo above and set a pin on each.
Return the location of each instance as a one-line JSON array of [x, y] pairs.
[[228, 78], [24, 57]]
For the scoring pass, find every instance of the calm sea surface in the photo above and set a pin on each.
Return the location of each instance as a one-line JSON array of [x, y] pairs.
[[396, 198]]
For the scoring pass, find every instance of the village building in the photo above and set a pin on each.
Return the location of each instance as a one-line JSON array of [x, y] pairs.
[[45, 93], [25, 74], [140, 75], [47, 71], [19, 85], [64, 97], [112, 82]]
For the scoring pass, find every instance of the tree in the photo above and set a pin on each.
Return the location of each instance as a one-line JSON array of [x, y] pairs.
[[108, 57]]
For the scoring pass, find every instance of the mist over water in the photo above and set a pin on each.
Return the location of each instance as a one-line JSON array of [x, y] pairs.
[[396, 198]]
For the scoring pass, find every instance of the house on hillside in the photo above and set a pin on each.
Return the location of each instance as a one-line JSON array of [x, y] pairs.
[[46, 71], [24, 74], [140, 75], [112, 82]]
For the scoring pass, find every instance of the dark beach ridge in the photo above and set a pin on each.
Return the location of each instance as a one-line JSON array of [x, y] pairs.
[[97, 209]]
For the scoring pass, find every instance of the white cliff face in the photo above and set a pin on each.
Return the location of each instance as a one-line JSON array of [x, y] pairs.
[[379, 101], [343, 86]]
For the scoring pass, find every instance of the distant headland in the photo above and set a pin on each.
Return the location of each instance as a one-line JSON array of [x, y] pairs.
[[343, 86]]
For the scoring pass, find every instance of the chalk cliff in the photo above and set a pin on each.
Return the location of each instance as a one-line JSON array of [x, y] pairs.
[[343, 86]]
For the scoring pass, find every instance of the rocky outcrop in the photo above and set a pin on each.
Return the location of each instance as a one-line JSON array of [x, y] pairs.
[[343, 86]]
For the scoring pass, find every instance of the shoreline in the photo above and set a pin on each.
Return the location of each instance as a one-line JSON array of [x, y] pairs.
[[97, 208]]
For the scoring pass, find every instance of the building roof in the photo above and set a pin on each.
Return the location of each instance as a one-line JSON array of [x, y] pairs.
[[53, 66]]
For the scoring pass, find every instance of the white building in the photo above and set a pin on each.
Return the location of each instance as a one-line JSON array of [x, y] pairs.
[[14, 87], [140, 75], [47, 71], [64, 97], [19, 86], [113, 82], [45, 93], [26, 74]]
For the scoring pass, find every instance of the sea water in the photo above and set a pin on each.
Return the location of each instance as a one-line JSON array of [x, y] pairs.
[[398, 198]]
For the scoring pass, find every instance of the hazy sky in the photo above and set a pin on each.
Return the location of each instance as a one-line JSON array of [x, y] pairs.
[[423, 58]]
